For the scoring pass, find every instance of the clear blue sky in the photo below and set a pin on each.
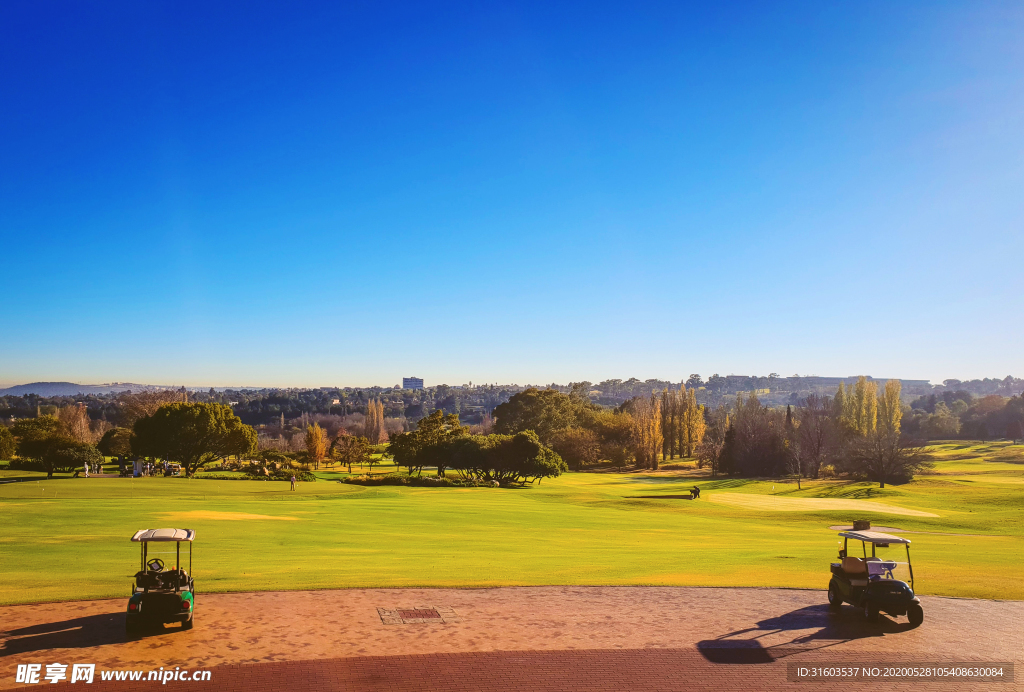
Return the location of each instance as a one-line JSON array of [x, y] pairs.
[[345, 193]]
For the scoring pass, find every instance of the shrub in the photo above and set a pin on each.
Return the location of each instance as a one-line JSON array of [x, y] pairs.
[[67, 456], [304, 476], [21, 464], [417, 481], [7, 443], [827, 471]]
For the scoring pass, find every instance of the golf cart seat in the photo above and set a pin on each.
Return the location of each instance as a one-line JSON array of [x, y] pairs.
[[176, 577], [161, 580], [147, 580], [856, 570]]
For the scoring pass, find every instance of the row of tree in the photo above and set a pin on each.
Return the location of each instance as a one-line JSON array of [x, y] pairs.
[[856, 432], [192, 434], [441, 441], [47, 443], [643, 430]]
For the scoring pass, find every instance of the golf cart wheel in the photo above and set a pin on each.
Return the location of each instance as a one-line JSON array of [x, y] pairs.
[[915, 614], [870, 611], [835, 601], [187, 624]]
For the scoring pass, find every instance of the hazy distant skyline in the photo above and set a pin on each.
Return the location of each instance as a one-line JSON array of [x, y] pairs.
[[300, 195]]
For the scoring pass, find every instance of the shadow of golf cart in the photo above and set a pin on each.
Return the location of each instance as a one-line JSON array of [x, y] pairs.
[[161, 595]]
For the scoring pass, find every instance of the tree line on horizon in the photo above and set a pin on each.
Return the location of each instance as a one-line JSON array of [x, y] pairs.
[[975, 409], [859, 430]]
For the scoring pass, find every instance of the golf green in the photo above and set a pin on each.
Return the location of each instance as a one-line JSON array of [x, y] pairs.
[[67, 538]]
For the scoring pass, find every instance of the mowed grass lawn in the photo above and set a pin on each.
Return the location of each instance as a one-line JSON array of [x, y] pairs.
[[67, 538]]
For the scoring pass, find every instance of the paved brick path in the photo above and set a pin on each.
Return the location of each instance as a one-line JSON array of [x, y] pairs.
[[538, 638], [522, 671]]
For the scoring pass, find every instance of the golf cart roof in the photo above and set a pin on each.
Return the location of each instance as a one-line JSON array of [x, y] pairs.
[[163, 535], [873, 537]]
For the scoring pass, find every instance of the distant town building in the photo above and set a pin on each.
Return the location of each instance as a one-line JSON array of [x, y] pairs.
[[412, 383]]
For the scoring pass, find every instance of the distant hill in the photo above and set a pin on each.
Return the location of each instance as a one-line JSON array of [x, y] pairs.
[[71, 389]]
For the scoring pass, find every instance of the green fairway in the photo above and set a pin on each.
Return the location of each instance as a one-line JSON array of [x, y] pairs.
[[68, 538]]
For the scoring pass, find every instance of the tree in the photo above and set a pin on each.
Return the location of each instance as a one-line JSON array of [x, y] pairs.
[[885, 458], [646, 432], [67, 455], [758, 443], [709, 451], [693, 422], [193, 434], [1014, 431], [273, 456], [519, 458], [35, 435], [865, 407], [420, 447], [543, 411], [668, 424], [404, 449], [842, 408], [373, 425], [8, 446], [818, 435], [615, 433], [890, 408], [349, 450], [116, 442], [75, 420], [577, 446], [943, 424], [142, 404], [316, 444]]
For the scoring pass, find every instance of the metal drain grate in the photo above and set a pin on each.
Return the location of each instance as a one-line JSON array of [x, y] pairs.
[[418, 615]]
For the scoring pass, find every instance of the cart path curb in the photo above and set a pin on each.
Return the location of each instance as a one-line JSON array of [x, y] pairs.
[[414, 587]]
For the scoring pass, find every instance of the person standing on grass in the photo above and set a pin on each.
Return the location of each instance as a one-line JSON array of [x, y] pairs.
[[293, 481], [86, 469]]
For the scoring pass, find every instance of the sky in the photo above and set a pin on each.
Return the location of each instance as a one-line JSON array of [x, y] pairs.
[[332, 194]]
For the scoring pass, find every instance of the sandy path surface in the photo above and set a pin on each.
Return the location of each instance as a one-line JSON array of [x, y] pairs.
[[306, 625]]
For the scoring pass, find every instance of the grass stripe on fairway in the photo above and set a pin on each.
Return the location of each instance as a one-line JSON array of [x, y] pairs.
[[806, 504]]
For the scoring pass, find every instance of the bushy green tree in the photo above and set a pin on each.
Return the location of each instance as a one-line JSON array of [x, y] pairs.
[[7, 443], [421, 447], [577, 446], [116, 442], [519, 458], [193, 434], [350, 449], [66, 455], [35, 435], [543, 411]]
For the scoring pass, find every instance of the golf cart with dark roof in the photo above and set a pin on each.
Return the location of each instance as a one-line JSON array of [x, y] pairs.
[[161, 595], [874, 584]]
